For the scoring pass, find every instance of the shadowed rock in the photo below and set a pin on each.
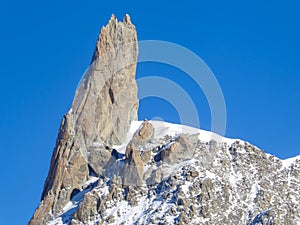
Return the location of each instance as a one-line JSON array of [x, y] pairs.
[[134, 164], [179, 150]]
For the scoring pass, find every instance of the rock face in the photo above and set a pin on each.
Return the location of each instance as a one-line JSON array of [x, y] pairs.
[[103, 108], [230, 182], [134, 163], [106, 100], [157, 173], [177, 150]]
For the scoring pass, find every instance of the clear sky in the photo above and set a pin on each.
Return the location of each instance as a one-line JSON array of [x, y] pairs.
[[251, 46]]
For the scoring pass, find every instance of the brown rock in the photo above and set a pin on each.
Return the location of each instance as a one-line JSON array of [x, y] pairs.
[[87, 209], [179, 150], [104, 106], [194, 173], [144, 134], [134, 167], [146, 156], [134, 162]]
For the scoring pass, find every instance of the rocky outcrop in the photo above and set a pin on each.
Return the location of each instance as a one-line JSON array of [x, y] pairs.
[[144, 134], [134, 166], [178, 150], [135, 158], [103, 108], [91, 201], [175, 152], [98, 158]]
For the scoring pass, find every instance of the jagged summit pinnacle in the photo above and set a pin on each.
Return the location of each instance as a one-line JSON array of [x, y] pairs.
[[126, 19], [109, 34], [104, 106]]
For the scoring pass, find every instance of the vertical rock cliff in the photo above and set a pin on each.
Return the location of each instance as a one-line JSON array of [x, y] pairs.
[[104, 106]]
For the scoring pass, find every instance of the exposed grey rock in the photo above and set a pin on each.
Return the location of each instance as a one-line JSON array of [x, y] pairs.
[[98, 158], [179, 150]]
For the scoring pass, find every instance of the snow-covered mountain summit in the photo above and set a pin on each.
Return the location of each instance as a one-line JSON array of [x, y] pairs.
[[228, 182], [108, 168]]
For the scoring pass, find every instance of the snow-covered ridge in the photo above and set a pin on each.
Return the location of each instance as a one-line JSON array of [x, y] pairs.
[[228, 177], [162, 128], [288, 162]]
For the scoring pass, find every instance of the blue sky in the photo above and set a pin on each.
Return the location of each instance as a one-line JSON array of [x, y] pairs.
[[251, 46]]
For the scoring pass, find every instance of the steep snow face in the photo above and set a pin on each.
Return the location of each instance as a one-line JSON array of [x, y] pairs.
[[225, 182]]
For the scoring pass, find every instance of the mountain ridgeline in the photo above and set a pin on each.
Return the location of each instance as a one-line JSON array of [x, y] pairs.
[[109, 168]]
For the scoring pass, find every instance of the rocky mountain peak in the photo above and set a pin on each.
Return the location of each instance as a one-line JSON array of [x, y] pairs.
[[127, 19], [104, 106], [109, 39], [108, 168]]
